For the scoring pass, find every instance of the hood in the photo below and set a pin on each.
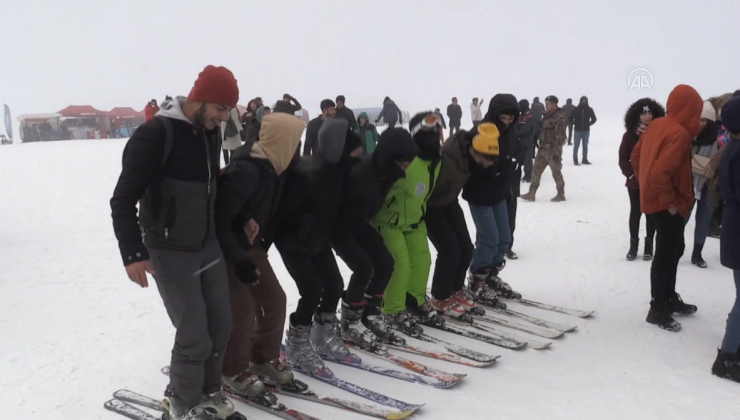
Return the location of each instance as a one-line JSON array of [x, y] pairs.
[[523, 106], [502, 103], [569, 101], [684, 106], [393, 145], [279, 138], [386, 100], [173, 109], [583, 101], [332, 136], [632, 116], [536, 100], [363, 114]]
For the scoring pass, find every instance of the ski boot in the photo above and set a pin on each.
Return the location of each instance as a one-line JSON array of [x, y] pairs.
[[425, 313], [727, 365], [173, 410], [647, 254], [499, 286], [632, 253], [467, 303], [221, 407], [696, 258], [450, 307], [300, 353], [373, 320], [325, 340], [660, 315], [404, 322], [677, 306], [246, 384], [481, 293], [274, 371], [352, 331]]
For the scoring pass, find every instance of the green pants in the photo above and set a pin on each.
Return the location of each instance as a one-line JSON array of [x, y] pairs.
[[410, 251]]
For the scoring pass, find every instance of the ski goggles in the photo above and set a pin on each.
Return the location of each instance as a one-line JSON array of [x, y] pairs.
[[429, 123]]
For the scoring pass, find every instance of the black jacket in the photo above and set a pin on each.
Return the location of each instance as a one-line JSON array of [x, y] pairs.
[[311, 144], [454, 113], [348, 115], [169, 216], [249, 188], [582, 117], [568, 110], [538, 110]]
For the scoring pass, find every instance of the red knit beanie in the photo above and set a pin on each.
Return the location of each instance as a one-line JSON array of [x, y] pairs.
[[215, 85]]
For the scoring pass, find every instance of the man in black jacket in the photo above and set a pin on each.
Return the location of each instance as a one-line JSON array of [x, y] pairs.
[[249, 191], [343, 112], [454, 113], [567, 110], [522, 147], [583, 117], [289, 105], [360, 245], [526, 131], [170, 166], [304, 224], [311, 145]]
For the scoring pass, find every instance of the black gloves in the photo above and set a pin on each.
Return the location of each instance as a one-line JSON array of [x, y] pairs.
[[246, 272]]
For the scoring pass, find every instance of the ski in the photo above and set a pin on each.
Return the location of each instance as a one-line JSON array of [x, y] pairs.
[[538, 331], [489, 329], [496, 341], [127, 410], [554, 308], [440, 353], [459, 350], [536, 321], [413, 366], [131, 397]]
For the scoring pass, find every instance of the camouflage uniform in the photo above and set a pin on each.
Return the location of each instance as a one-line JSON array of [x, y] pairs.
[[552, 138]]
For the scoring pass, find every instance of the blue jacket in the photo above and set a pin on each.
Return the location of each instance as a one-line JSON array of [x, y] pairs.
[[729, 186]]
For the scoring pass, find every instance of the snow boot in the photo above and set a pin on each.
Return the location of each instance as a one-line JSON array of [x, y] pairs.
[[218, 405], [325, 340], [660, 315], [696, 258], [647, 254], [174, 411], [511, 255], [299, 351], [372, 319], [353, 331], [585, 161], [404, 322], [632, 253], [529, 196], [677, 306], [727, 365], [274, 371], [246, 384], [559, 197]]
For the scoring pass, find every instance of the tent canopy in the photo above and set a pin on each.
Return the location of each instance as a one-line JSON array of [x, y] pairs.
[[38, 117], [125, 112], [82, 111]]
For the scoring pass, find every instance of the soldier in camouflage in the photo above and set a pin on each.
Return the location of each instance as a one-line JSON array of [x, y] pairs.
[[551, 138]]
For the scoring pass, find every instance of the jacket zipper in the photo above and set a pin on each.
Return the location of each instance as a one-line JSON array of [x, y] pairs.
[[208, 189]]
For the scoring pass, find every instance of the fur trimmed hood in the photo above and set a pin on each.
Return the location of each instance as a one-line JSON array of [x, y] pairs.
[[632, 116]]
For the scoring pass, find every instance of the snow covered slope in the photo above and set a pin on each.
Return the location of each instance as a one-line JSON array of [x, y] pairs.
[[74, 328]]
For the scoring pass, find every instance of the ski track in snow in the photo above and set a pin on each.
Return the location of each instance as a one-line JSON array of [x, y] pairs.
[[74, 329]]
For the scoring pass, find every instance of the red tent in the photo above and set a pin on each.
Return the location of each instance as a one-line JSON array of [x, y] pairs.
[[77, 111], [120, 113]]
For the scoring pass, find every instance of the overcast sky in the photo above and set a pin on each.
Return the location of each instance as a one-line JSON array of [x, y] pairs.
[[420, 53]]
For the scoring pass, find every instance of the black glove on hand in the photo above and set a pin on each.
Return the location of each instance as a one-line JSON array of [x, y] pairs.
[[247, 272]]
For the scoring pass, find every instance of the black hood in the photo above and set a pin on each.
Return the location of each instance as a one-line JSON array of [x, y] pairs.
[[523, 106], [536, 100], [569, 101], [583, 102], [395, 144], [502, 103], [632, 116]]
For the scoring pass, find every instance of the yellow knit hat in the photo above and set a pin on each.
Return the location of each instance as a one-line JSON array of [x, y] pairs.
[[486, 142]]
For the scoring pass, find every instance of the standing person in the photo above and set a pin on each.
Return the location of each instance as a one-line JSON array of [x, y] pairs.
[[290, 105], [311, 144], [254, 126], [705, 145], [475, 113], [716, 204], [552, 138], [486, 191], [446, 225], [727, 364], [304, 226], [232, 134], [248, 195], [343, 112], [390, 113], [527, 131], [521, 139], [401, 223], [538, 110], [636, 120], [583, 117], [568, 110], [170, 166], [361, 246], [662, 163], [151, 109], [454, 113], [368, 134], [249, 114], [438, 113]]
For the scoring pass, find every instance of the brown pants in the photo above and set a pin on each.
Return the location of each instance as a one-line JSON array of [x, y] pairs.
[[258, 315]]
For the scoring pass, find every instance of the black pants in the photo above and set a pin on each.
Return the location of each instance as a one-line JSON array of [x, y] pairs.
[[635, 216], [529, 163], [447, 230], [319, 282], [669, 247], [475, 124], [454, 129], [227, 155], [570, 133], [366, 255], [511, 208]]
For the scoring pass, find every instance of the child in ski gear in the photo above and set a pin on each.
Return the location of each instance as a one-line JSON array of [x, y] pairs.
[[662, 164], [360, 245], [636, 120], [304, 225], [401, 223], [248, 194], [550, 153], [368, 133], [171, 165]]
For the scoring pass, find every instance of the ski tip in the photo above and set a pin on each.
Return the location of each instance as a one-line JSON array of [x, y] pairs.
[[587, 314], [400, 415]]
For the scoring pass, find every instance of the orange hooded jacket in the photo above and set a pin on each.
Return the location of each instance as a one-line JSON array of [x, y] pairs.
[[662, 157]]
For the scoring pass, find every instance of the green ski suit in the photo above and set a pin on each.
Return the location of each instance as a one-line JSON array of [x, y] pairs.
[[401, 223]]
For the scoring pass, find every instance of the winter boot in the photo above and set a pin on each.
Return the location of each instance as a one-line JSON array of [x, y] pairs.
[[218, 405], [727, 365], [632, 253], [480, 292], [448, 306], [696, 258], [404, 322], [274, 372], [575, 162], [585, 161], [660, 315], [529, 196], [678, 307], [511, 255], [647, 255], [373, 320], [355, 332], [425, 313], [174, 411], [300, 352], [246, 384], [559, 197], [325, 340]]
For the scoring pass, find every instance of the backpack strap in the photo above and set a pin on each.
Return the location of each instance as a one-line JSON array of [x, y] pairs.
[[169, 138]]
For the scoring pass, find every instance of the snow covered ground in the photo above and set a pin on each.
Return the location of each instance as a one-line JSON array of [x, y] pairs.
[[74, 328]]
